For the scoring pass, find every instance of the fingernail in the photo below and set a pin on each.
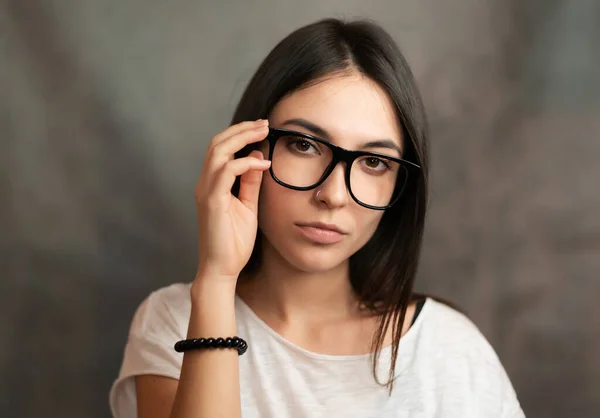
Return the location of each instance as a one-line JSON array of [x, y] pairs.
[[263, 121]]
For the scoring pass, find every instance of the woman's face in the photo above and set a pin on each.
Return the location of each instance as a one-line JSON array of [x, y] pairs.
[[349, 111]]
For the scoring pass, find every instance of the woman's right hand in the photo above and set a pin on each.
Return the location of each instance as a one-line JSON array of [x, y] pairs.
[[228, 224]]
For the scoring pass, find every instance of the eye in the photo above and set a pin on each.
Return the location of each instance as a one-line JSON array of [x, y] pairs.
[[372, 162], [302, 146], [376, 164]]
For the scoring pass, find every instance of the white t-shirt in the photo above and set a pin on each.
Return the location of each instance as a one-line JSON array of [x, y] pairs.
[[445, 368]]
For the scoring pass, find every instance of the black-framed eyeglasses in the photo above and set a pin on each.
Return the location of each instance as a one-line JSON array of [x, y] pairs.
[[301, 161]]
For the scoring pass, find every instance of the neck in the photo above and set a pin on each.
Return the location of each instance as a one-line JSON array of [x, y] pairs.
[[280, 290]]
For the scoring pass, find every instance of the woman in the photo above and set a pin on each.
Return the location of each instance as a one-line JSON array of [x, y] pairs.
[[316, 274]]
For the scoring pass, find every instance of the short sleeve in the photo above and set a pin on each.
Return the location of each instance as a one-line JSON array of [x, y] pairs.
[[492, 385], [467, 370], [158, 323], [514, 411], [511, 407]]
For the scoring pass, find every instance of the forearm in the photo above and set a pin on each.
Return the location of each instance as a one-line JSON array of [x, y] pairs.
[[209, 382]]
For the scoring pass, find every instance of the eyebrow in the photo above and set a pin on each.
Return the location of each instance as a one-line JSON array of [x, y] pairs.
[[322, 133]]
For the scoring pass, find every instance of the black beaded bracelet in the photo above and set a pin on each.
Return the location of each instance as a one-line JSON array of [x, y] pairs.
[[201, 343]]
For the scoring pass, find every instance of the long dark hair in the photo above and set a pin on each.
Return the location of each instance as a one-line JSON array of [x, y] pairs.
[[382, 273]]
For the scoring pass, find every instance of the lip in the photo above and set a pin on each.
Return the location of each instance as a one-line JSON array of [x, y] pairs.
[[322, 233], [322, 225]]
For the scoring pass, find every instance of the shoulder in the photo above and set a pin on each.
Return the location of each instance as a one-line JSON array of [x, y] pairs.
[[165, 310], [160, 320], [453, 330], [460, 356]]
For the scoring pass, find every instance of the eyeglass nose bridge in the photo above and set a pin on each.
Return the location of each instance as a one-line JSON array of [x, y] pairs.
[[339, 155]]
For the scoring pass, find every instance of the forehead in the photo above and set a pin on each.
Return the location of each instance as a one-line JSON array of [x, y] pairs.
[[351, 108]]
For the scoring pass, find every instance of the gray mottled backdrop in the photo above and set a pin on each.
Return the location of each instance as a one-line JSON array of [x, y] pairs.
[[106, 107]]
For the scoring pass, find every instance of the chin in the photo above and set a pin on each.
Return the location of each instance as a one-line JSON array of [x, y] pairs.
[[315, 263]]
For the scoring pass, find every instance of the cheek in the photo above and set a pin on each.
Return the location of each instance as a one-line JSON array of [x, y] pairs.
[[275, 203], [367, 222]]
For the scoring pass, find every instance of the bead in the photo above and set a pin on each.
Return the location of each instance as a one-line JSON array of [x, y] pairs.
[[199, 343]]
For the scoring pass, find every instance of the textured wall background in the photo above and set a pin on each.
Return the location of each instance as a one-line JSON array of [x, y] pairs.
[[106, 108]]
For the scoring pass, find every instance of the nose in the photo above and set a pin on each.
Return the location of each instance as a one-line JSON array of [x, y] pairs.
[[334, 192]]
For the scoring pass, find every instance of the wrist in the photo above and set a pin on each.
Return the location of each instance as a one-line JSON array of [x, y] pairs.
[[212, 309], [206, 272], [207, 291]]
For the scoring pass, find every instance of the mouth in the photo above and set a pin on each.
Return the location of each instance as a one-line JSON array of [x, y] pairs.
[[323, 226], [321, 233]]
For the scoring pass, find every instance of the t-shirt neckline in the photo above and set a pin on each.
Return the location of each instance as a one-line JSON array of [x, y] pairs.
[[405, 340]]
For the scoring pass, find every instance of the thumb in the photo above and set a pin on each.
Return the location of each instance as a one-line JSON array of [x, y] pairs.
[[250, 185]]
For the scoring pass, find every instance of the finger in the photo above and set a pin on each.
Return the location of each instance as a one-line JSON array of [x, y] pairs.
[[250, 185], [236, 129], [235, 168], [226, 150]]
